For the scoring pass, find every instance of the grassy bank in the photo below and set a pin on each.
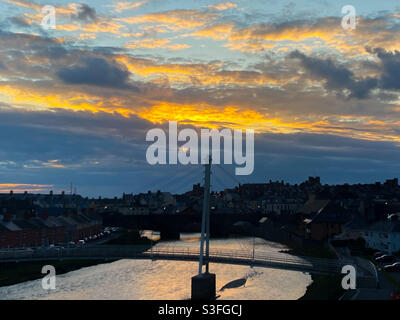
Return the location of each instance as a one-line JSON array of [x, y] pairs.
[[395, 283], [324, 288], [17, 272]]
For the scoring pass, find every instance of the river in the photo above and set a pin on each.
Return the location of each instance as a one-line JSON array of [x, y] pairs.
[[146, 279]]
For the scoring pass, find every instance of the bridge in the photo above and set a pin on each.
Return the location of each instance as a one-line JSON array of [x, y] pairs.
[[259, 258]]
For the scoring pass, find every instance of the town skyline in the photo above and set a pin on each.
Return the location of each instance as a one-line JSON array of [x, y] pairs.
[[189, 187]]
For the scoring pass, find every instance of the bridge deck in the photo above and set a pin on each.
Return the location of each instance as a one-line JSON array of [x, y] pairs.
[[243, 257]]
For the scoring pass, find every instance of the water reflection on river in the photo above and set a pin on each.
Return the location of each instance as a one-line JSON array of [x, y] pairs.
[[146, 279]]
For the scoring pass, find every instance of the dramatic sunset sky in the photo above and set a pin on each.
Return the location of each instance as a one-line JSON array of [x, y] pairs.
[[76, 102]]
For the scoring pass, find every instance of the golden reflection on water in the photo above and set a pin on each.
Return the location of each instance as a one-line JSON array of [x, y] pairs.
[[153, 280]]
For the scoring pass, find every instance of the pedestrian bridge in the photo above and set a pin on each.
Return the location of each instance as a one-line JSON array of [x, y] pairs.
[[259, 258]]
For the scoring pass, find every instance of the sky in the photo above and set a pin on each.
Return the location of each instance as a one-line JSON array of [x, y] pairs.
[[77, 101]]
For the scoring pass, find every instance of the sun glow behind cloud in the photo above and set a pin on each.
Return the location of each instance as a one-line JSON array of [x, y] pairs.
[[20, 188]]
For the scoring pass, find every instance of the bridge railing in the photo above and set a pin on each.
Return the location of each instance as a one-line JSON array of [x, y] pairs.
[[118, 252], [326, 264]]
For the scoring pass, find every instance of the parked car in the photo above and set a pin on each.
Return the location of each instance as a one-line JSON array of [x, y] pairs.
[[395, 267], [386, 258]]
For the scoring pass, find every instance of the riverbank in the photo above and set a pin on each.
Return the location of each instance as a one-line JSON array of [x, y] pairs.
[[324, 288]]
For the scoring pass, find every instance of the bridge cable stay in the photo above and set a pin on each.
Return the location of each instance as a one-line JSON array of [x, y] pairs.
[[228, 174], [221, 183], [193, 176], [150, 184], [156, 182], [166, 182]]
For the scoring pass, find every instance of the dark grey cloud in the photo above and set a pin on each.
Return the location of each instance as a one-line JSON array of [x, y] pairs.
[[25, 41], [390, 63], [19, 22], [85, 13], [96, 71], [338, 78], [16, 46]]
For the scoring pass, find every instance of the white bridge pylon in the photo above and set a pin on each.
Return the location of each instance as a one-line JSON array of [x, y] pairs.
[[205, 221]]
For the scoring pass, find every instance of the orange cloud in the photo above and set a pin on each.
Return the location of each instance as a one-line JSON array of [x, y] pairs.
[[210, 74], [213, 117], [26, 4], [235, 117], [223, 6], [39, 100], [86, 36], [174, 19], [218, 32]]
